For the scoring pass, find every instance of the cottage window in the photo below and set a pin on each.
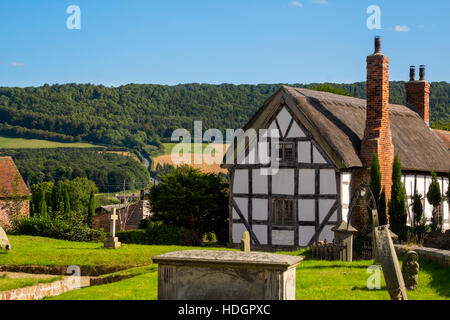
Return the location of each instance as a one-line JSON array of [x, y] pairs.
[[283, 212], [286, 152]]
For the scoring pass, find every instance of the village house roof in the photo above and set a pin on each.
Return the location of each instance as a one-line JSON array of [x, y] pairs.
[[444, 136], [8, 175], [337, 123], [109, 208]]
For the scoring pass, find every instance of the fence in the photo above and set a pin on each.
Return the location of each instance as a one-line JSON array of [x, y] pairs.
[[329, 251]]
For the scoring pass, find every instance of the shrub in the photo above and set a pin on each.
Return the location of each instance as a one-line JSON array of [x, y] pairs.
[[159, 233], [133, 236], [434, 197], [57, 229], [143, 224], [397, 205]]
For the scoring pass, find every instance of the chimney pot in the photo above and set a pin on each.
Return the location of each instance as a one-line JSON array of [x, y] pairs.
[[422, 72], [412, 73], [377, 44]]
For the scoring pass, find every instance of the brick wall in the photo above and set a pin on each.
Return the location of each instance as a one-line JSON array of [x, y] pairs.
[[5, 222], [418, 96], [377, 133]]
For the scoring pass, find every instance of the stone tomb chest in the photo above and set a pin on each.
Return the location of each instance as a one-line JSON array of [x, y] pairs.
[[225, 275]]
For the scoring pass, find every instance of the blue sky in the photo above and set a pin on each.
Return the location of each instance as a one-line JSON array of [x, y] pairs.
[[211, 41]]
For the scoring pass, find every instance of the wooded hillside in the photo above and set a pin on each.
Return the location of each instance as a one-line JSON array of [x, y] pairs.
[[135, 115]]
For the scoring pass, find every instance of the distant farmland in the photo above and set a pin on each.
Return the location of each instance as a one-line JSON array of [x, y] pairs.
[[20, 143], [214, 167]]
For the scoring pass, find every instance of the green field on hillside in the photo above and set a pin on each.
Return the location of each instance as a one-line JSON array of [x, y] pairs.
[[19, 143], [169, 147]]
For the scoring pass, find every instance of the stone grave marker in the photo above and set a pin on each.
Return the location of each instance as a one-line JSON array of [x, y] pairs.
[[375, 224], [226, 275], [245, 241], [343, 233], [410, 270], [112, 242], [389, 263], [4, 242]]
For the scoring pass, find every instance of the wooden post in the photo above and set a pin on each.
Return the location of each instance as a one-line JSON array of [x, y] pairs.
[[390, 265]]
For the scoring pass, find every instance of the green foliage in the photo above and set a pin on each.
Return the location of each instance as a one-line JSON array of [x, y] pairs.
[[161, 234], [137, 115], [91, 208], [57, 229], [156, 233], [375, 178], [397, 205], [326, 87], [382, 209], [43, 206], [193, 200], [133, 237], [162, 170], [107, 170], [434, 198], [417, 209]]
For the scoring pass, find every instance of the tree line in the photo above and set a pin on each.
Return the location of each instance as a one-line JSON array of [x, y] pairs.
[[108, 171], [136, 115]]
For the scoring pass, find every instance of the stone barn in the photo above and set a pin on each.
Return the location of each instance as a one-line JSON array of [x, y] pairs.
[[14, 193], [323, 145]]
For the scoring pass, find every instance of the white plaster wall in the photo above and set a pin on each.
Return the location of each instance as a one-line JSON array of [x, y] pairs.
[[345, 194], [428, 206], [240, 182], [238, 229], [273, 130], [261, 233], [306, 181], [296, 131], [446, 207], [305, 233], [328, 181], [304, 151], [317, 156], [306, 210], [327, 234], [283, 182], [259, 209], [259, 182], [325, 206], [283, 237], [284, 119], [242, 203]]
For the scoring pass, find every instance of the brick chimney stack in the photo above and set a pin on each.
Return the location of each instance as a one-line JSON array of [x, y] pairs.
[[418, 94], [377, 133]]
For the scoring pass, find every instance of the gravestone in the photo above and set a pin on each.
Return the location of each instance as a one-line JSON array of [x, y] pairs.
[[410, 270], [112, 242], [375, 224], [245, 242], [226, 275], [4, 242], [344, 233], [389, 263]]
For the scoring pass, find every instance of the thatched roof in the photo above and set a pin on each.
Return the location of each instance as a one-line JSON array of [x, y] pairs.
[[11, 182], [444, 136], [337, 123]]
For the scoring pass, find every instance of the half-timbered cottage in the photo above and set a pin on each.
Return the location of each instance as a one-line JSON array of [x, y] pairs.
[[325, 147]]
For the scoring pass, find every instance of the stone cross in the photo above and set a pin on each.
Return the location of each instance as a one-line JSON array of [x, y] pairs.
[[389, 262], [245, 242], [114, 217]]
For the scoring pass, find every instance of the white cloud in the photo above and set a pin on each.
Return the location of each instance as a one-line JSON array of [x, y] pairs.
[[18, 64], [402, 29], [320, 1], [297, 4]]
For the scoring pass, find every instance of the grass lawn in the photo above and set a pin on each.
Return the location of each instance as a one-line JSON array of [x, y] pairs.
[[9, 284], [326, 280], [19, 143], [169, 146], [28, 250]]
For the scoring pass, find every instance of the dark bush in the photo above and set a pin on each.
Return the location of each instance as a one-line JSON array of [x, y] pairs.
[[143, 224], [133, 236], [159, 233], [57, 229]]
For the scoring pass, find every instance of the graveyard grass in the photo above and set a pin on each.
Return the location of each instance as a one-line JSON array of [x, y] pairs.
[[316, 280], [7, 283]]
